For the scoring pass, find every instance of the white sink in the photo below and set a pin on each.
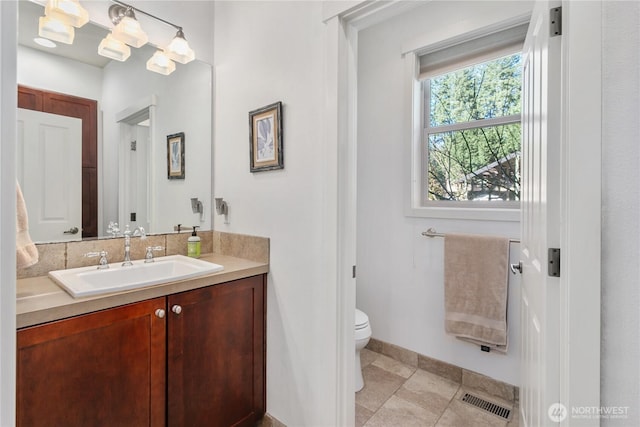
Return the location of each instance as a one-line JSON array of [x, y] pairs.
[[84, 281]]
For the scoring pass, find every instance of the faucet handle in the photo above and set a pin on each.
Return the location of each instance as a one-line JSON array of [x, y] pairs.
[[103, 263], [149, 255], [113, 229]]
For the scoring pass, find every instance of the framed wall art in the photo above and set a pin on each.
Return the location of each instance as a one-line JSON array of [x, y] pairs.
[[175, 156], [265, 138]]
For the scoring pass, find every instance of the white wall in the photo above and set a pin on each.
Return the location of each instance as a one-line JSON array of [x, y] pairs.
[[267, 52], [400, 272], [183, 105], [80, 79], [620, 351]]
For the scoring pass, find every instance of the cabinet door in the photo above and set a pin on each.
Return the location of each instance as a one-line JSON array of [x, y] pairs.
[[216, 355], [101, 369]]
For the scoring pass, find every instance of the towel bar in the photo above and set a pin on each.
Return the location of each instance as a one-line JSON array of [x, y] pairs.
[[431, 232]]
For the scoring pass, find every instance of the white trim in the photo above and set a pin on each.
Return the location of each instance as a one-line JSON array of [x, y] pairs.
[[363, 14], [136, 108], [333, 246], [337, 9], [581, 238], [340, 185], [475, 214], [8, 120], [474, 124]]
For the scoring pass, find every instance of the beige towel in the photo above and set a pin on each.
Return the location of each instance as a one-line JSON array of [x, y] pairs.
[[26, 251], [476, 288]]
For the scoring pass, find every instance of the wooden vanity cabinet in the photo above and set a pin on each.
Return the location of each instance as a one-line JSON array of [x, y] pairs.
[[101, 369], [216, 355], [198, 362]]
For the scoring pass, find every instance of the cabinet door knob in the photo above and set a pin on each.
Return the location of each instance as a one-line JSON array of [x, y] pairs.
[[176, 309], [160, 313]]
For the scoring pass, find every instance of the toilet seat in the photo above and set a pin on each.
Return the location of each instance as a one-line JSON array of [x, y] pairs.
[[361, 320]]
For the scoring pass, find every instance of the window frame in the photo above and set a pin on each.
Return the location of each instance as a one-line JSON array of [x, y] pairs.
[[468, 125], [417, 204]]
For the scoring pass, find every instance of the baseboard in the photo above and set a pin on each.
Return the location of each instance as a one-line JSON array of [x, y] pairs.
[[454, 373], [269, 421]]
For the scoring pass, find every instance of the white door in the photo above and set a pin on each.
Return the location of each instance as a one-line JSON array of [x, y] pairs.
[[540, 224], [135, 159], [49, 168]]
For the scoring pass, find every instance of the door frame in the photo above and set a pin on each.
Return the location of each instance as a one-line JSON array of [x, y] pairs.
[[145, 107], [581, 167], [580, 241], [343, 21]]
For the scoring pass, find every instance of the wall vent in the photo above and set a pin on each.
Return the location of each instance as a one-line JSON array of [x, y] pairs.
[[487, 406]]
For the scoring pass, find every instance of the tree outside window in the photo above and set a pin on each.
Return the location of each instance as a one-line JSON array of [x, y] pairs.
[[473, 132]]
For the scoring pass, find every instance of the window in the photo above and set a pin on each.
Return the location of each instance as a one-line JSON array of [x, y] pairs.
[[467, 132], [472, 132]]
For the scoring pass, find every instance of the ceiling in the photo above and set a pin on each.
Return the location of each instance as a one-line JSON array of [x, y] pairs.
[[85, 44]]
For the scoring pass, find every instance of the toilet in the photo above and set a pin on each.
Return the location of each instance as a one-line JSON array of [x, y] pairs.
[[362, 335]]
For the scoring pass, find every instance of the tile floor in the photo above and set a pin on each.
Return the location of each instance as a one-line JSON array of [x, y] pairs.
[[396, 394]]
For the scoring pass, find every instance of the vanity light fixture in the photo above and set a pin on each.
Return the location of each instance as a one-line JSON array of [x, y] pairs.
[[69, 12], [127, 30], [161, 63], [113, 48]]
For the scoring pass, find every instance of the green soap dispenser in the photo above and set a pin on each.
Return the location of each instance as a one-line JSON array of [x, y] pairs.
[[193, 244]]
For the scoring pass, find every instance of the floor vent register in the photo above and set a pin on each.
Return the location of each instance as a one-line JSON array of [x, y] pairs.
[[487, 406]]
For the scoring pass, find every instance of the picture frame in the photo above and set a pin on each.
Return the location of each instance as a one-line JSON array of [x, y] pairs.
[[265, 138], [175, 156]]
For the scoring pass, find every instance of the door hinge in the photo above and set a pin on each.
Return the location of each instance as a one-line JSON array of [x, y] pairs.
[[555, 22], [353, 272], [554, 262]]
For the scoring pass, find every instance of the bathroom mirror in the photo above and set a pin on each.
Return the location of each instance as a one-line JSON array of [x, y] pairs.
[[137, 109]]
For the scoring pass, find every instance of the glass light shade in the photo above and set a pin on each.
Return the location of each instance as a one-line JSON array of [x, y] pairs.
[[179, 49], [54, 29], [114, 49], [161, 63], [129, 31], [68, 11]]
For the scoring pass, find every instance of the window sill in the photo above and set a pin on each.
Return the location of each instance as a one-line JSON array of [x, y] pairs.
[[466, 213]]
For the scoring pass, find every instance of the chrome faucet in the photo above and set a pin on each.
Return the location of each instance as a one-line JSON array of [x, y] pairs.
[[103, 263], [138, 231]]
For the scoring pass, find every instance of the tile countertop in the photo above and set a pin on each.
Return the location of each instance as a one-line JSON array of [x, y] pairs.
[[40, 299]]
